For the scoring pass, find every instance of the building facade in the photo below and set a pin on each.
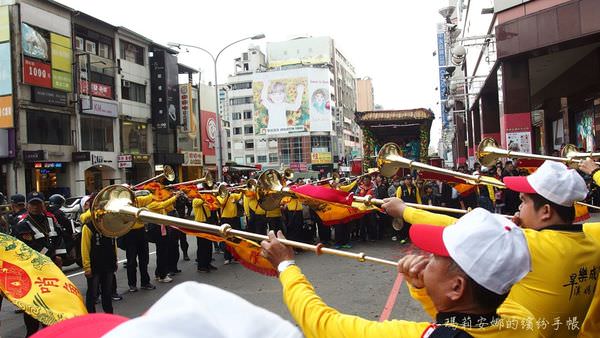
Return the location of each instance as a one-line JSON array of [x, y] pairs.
[[365, 97]]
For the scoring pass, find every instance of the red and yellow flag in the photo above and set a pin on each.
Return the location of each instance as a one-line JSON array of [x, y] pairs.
[[332, 206], [247, 252], [35, 284]]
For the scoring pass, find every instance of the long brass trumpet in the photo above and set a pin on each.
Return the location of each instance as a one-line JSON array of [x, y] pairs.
[[114, 212], [249, 185], [570, 151], [335, 177], [369, 172], [207, 179], [390, 160], [221, 191], [167, 173], [488, 152], [287, 173]]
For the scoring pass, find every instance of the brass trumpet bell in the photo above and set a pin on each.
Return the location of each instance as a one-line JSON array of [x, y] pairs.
[[167, 173], [105, 217], [488, 152], [207, 179], [570, 151], [390, 160], [271, 189]]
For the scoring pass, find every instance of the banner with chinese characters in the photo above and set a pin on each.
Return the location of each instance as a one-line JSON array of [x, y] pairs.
[[33, 283]]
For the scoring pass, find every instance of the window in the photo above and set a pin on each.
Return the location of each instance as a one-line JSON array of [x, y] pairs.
[[48, 128], [134, 137], [240, 100], [133, 91], [245, 56], [249, 145], [249, 159], [246, 66], [237, 131], [241, 85], [247, 115], [79, 43], [236, 116], [248, 130], [273, 158], [104, 50], [132, 53], [97, 133], [262, 158]]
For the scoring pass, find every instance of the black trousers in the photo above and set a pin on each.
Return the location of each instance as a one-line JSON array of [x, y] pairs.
[[368, 227], [294, 225], [324, 233], [137, 251], [104, 280], [259, 224], [31, 324], [173, 249], [183, 243], [274, 223], [162, 256], [342, 234], [235, 224], [203, 252]]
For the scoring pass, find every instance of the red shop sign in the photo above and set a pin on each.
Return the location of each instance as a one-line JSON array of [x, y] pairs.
[[37, 73], [98, 89]]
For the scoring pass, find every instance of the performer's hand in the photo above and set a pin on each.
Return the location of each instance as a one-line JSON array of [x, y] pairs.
[[88, 274], [588, 166], [517, 219], [394, 207], [274, 251], [412, 267]]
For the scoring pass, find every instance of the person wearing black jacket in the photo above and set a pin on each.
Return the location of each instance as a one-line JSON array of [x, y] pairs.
[[17, 204], [40, 231]]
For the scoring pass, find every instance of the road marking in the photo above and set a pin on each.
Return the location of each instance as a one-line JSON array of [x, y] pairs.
[[389, 305], [119, 262]]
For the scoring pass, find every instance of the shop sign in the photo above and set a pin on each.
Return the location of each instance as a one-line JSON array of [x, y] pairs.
[[37, 73], [49, 96], [125, 164], [48, 165], [97, 89], [60, 54], [298, 166], [344, 169], [99, 159], [62, 80], [192, 158], [185, 101], [321, 158], [32, 156], [102, 108], [80, 156], [124, 158], [141, 158], [6, 112]]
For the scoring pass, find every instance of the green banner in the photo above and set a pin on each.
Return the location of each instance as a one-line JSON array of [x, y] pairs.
[[4, 24], [62, 80], [62, 58]]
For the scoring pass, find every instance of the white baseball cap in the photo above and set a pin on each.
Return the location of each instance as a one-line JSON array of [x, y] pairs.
[[189, 309], [488, 247], [553, 181]]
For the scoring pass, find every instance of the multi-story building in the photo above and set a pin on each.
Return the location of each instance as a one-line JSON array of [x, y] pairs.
[[316, 113], [365, 98]]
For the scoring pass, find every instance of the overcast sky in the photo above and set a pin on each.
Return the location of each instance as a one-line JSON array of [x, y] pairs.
[[390, 41]]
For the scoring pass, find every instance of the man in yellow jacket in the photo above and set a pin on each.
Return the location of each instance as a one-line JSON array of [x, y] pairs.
[[229, 215], [470, 271], [591, 325], [159, 234], [204, 246], [137, 251], [558, 291], [256, 216]]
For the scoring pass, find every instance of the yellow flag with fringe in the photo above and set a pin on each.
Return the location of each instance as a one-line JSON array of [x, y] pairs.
[[35, 284]]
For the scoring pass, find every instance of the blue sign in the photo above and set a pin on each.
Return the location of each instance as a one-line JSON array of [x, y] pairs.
[[5, 69], [441, 44]]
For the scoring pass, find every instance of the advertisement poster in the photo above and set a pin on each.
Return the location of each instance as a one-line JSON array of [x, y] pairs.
[[209, 132], [313, 50], [33, 43], [6, 112], [519, 141], [292, 102], [4, 24], [5, 69], [37, 73], [584, 130]]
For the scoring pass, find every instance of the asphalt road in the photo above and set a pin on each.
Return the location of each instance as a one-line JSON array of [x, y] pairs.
[[351, 287]]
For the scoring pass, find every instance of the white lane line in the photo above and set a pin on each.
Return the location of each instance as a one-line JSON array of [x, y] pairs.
[[119, 262]]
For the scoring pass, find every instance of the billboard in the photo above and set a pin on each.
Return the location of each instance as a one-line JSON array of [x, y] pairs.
[[5, 69], [209, 132], [303, 51], [4, 24], [6, 112], [185, 105], [33, 43], [165, 103], [293, 101]]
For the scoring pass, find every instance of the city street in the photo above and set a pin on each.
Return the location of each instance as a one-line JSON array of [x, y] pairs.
[[351, 287]]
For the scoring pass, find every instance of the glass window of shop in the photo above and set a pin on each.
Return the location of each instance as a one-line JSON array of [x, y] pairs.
[[134, 137], [48, 178], [97, 133], [320, 143], [48, 128]]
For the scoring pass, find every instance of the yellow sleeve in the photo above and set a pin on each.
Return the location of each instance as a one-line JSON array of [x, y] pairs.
[[197, 202], [414, 215], [422, 297], [143, 201], [399, 192], [246, 206], [418, 193], [348, 187], [316, 319], [85, 217], [166, 203], [596, 177], [491, 193], [86, 242], [591, 325], [235, 197], [221, 200]]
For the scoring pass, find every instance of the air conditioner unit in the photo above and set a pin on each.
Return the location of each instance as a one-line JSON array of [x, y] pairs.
[[126, 84]]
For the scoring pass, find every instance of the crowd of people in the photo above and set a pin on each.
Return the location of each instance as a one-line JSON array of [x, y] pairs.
[[44, 227]]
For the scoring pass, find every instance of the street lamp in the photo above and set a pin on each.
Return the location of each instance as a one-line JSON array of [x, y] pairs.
[[215, 59]]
